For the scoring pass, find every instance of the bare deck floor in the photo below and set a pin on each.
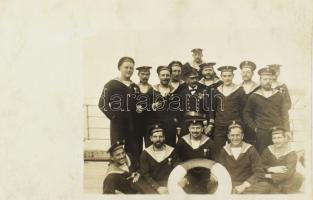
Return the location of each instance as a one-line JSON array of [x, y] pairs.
[[93, 176]]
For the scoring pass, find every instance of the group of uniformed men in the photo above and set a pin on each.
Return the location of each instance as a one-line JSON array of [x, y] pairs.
[[192, 113]]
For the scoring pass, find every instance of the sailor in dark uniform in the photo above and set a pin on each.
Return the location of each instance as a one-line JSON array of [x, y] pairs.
[[161, 113], [157, 161], [196, 145], [176, 78], [194, 64], [229, 101], [249, 86], [122, 175], [243, 163], [281, 87], [117, 102], [209, 77], [143, 109], [265, 108], [194, 97], [247, 70]]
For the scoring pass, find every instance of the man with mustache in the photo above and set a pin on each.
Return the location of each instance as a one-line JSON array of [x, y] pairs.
[[122, 175], [281, 87], [209, 76], [247, 70], [157, 161], [176, 78], [249, 86], [160, 107], [142, 111], [265, 108], [194, 64]]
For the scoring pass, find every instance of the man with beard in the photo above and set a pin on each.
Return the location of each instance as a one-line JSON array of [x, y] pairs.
[[176, 68], [142, 111], [122, 174], [194, 97], [265, 108], [209, 76], [194, 64], [157, 161], [247, 70], [281, 87], [160, 106], [229, 101]]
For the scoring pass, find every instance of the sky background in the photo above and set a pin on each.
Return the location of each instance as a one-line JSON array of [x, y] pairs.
[[229, 33]]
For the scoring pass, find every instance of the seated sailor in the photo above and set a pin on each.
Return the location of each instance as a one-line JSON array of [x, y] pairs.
[[279, 161], [196, 145], [243, 163], [157, 161], [121, 175]]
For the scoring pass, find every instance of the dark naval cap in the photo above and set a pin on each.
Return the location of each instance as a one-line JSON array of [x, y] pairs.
[[194, 117], [196, 50], [117, 145], [266, 71], [143, 68], [274, 66], [234, 124], [277, 129], [205, 65], [227, 68], [156, 128], [192, 73], [248, 64], [161, 68]]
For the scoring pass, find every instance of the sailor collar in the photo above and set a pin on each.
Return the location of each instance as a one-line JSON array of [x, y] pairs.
[[202, 81], [236, 87], [252, 87], [244, 148], [168, 150], [288, 150], [113, 169], [261, 94], [203, 140]]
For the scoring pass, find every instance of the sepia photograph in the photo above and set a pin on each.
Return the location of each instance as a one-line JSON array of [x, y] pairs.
[[156, 99], [209, 108]]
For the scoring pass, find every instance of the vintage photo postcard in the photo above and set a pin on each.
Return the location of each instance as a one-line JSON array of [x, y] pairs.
[[172, 99], [202, 98]]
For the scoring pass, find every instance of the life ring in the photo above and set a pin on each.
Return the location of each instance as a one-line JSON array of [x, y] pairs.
[[219, 171]]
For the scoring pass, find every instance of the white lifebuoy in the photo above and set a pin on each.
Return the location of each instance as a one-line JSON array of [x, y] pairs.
[[222, 175]]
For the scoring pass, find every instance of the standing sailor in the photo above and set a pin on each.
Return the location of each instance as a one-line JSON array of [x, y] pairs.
[[247, 71], [265, 108], [161, 113], [143, 109], [194, 64], [209, 77], [118, 104], [229, 101], [176, 78], [281, 87]]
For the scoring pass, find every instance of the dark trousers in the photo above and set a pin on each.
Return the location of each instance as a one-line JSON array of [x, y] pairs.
[[263, 139], [219, 137], [118, 182]]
